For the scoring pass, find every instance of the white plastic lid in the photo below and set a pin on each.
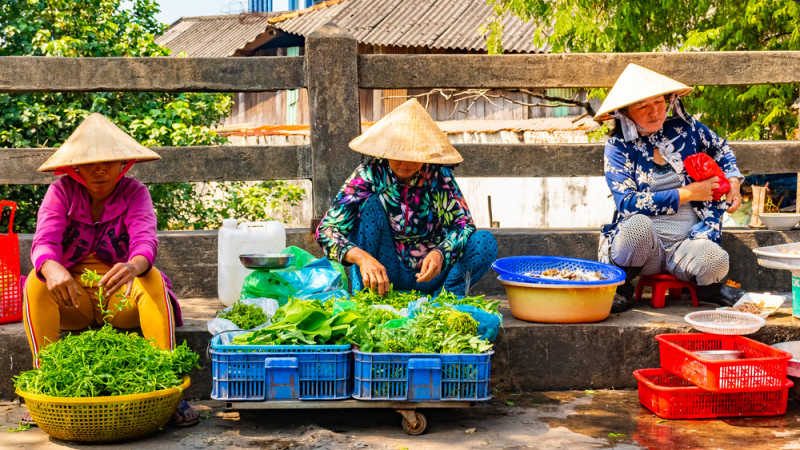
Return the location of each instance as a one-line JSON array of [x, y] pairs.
[[229, 223]]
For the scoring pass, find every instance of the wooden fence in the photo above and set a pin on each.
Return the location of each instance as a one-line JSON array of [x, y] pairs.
[[332, 71]]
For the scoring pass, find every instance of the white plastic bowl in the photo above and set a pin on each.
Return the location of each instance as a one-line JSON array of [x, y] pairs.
[[724, 322], [780, 221]]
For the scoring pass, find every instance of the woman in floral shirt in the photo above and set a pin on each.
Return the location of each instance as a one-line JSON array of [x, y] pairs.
[[665, 221], [400, 218]]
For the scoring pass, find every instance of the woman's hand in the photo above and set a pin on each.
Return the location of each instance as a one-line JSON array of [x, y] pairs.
[[60, 283], [431, 266], [123, 274], [702, 191], [734, 196], [373, 274]]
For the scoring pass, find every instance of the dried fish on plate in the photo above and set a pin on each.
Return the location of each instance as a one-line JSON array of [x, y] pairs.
[[567, 275]]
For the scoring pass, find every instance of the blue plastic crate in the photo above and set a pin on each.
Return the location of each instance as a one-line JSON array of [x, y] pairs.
[[279, 372], [421, 376], [515, 268]]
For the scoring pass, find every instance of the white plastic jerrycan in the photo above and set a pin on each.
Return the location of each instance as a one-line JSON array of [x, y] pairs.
[[247, 237]]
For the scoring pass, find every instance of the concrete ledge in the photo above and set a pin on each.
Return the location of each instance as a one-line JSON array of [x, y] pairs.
[[528, 356], [189, 258]]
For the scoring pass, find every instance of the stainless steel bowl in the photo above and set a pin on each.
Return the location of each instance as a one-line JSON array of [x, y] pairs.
[[265, 260], [721, 354]]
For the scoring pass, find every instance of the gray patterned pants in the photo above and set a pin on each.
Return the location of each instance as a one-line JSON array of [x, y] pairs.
[[637, 244]]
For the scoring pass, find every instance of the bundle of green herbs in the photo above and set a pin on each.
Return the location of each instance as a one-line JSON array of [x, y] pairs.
[[105, 362], [433, 329], [245, 316], [399, 300]]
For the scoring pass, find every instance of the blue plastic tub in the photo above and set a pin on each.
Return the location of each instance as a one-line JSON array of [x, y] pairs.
[[421, 376], [515, 268], [279, 372]]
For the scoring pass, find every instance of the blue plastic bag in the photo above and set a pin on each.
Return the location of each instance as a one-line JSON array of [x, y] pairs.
[[314, 278], [488, 323]]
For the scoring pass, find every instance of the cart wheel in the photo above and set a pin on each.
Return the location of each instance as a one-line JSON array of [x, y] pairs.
[[419, 426]]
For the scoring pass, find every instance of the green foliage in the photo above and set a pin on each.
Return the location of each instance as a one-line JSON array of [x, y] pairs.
[[94, 28], [105, 362], [737, 112], [183, 206]]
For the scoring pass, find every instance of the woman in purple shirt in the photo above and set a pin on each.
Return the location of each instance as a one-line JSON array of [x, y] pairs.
[[95, 218]]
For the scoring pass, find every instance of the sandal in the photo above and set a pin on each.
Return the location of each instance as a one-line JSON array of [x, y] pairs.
[[27, 419], [180, 419]]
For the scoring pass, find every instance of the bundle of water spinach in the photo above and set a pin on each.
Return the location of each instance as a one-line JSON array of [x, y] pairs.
[[105, 362]]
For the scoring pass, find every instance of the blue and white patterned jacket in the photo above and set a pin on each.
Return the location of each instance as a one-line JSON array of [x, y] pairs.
[[629, 173]]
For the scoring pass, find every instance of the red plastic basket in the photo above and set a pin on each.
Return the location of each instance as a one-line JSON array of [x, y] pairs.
[[10, 295], [671, 397], [762, 367]]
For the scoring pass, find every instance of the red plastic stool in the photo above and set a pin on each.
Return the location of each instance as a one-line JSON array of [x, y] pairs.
[[661, 285]]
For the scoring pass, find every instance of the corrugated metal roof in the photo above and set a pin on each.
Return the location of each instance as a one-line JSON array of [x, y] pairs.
[[433, 24], [214, 36], [442, 24]]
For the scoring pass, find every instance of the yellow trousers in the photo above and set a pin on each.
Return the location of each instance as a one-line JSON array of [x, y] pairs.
[[150, 308]]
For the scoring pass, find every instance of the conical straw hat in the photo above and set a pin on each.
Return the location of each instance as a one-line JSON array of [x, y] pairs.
[[407, 133], [97, 139], [636, 84]]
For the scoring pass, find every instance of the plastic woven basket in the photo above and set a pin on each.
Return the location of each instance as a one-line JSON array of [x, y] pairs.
[[516, 268], [725, 322], [763, 367], [104, 419], [671, 397], [10, 295], [422, 376], [279, 372]]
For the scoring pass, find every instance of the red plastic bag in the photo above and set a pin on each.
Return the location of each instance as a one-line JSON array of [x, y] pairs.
[[701, 167]]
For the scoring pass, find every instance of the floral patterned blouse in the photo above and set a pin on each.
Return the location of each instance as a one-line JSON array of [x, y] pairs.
[[427, 213], [629, 172]]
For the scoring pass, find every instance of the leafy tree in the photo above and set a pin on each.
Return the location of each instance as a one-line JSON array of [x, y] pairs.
[[93, 28], [181, 209], [738, 112]]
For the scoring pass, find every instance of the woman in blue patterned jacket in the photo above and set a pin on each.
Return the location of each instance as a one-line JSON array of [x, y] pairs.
[[665, 221]]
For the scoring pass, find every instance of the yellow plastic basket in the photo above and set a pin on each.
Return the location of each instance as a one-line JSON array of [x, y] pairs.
[[104, 419]]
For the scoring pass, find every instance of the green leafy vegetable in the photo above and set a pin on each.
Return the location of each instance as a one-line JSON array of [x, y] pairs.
[[245, 316], [105, 362], [305, 322], [91, 278]]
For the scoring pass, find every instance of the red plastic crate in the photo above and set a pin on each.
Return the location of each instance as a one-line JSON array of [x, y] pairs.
[[671, 397], [10, 295], [762, 367]]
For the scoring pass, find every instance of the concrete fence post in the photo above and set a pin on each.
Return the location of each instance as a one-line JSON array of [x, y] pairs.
[[332, 82]]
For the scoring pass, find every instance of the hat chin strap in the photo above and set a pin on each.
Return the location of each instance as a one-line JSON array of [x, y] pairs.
[[72, 173], [630, 130]]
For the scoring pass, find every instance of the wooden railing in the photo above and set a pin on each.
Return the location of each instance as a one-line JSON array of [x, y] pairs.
[[332, 72]]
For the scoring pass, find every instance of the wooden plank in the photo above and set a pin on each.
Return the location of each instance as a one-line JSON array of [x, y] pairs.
[[18, 166], [50, 74], [209, 163], [574, 70], [567, 160]]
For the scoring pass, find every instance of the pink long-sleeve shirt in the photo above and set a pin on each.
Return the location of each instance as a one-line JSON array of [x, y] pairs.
[[66, 233]]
